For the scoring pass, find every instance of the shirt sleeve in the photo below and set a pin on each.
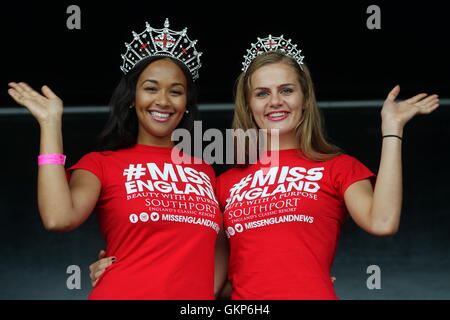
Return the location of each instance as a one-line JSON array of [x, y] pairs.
[[90, 162], [348, 170]]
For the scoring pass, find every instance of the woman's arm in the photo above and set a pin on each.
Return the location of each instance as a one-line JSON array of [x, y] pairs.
[[220, 263], [225, 293], [378, 211], [62, 206]]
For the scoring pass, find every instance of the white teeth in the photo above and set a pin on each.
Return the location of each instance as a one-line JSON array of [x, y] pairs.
[[277, 114], [159, 114]]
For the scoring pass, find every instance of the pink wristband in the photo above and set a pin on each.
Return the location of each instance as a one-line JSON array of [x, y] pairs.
[[51, 159]]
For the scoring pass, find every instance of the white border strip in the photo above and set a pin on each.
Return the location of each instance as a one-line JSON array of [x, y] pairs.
[[14, 111]]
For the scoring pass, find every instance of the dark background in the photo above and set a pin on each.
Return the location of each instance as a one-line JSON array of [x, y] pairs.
[[348, 62]]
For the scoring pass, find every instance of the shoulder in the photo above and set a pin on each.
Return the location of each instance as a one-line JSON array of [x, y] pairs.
[[199, 164], [206, 168], [343, 160], [346, 165], [99, 154], [95, 160]]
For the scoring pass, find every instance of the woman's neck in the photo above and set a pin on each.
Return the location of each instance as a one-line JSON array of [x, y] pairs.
[[155, 141], [283, 142]]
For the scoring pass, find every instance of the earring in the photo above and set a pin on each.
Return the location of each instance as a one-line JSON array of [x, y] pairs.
[[131, 107], [187, 111]]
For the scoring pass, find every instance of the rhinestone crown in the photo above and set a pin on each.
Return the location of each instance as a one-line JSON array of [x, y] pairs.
[[272, 44], [162, 42]]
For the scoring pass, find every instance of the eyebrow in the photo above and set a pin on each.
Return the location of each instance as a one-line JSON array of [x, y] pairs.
[[156, 82], [280, 86]]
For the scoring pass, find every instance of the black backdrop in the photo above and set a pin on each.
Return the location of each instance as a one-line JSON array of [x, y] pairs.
[[348, 62]]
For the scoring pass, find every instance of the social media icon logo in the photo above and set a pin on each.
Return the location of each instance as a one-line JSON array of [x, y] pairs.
[[154, 216], [133, 218], [144, 217]]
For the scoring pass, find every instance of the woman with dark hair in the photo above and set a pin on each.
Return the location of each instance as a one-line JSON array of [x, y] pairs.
[[121, 130], [160, 218]]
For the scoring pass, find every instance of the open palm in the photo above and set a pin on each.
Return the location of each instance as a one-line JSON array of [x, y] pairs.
[[403, 111], [43, 107]]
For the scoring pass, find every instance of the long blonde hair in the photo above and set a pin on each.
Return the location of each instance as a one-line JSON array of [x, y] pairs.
[[309, 130]]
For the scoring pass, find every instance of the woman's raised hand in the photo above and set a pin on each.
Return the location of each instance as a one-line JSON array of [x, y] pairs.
[[44, 108], [396, 114]]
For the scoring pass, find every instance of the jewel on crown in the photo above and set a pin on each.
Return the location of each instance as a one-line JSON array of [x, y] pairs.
[[162, 42], [272, 44]]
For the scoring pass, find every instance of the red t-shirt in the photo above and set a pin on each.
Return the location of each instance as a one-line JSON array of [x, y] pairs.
[[159, 219], [283, 224]]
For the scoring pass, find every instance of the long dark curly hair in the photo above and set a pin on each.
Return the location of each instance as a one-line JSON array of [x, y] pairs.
[[121, 129]]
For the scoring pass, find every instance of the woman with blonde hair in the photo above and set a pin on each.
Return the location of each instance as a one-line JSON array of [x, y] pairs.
[[309, 129], [283, 220]]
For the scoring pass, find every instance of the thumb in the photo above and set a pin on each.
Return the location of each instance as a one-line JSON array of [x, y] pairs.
[[101, 254], [48, 92], [394, 93]]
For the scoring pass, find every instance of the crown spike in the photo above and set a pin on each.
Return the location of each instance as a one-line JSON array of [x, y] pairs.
[[148, 28]]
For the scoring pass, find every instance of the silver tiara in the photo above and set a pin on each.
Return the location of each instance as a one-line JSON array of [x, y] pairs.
[[272, 44], [162, 42]]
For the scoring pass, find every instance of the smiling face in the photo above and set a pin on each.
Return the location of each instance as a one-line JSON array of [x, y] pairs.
[[276, 100], [160, 102]]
